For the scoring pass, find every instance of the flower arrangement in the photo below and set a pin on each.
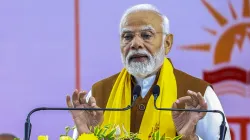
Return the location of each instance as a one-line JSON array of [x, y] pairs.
[[114, 132], [110, 132]]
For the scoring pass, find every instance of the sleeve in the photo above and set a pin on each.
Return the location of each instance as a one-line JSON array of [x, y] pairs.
[[199, 138], [75, 132], [208, 128]]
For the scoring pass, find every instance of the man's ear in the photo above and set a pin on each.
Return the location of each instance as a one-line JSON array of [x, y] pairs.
[[168, 43]]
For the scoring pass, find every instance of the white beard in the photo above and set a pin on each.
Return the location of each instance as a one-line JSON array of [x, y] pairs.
[[143, 69]]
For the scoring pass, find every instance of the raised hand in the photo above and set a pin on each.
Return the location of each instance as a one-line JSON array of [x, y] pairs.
[[84, 119], [185, 122]]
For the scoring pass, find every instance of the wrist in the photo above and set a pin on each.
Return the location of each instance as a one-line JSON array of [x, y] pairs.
[[81, 126], [194, 137], [83, 129], [190, 137]]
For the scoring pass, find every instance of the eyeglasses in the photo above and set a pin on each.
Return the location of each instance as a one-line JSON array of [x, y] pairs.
[[147, 36]]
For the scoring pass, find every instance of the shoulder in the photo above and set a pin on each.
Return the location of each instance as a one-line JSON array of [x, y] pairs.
[[102, 89], [186, 82], [106, 81], [185, 76]]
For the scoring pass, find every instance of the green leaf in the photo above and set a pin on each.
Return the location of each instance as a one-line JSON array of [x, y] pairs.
[[158, 135], [168, 138], [73, 127], [111, 138], [102, 136], [177, 137], [104, 132], [96, 130], [111, 134], [163, 137], [153, 136], [107, 126], [100, 132], [67, 129]]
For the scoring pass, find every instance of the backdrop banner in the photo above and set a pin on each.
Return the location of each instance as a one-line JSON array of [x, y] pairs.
[[50, 48]]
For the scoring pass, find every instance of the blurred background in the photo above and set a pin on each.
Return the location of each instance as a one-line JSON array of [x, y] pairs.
[[48, 48]]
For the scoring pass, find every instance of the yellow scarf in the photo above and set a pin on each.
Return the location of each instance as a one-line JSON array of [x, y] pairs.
[[120, 97]]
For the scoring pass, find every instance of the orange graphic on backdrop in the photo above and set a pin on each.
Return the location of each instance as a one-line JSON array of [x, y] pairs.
[[235, 35], [226, 40]]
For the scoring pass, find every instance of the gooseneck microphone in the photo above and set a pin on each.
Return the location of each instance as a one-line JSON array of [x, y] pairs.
[[136, 94], [223, 128]]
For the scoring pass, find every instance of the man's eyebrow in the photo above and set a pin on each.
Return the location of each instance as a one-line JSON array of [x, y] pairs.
[[147, 28], [126, 30], [143, 28]]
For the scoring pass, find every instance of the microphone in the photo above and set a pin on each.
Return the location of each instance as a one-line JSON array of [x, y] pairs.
[[136, 94], [223, 128]]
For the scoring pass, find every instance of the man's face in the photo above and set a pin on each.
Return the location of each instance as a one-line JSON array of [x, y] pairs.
[[142, 44]]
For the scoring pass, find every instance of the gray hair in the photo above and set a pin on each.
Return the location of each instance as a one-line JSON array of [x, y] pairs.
[[146, 7]]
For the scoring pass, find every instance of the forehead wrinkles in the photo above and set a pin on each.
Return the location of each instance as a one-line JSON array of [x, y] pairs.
[[134, 21], [141, 28], [143, 18]]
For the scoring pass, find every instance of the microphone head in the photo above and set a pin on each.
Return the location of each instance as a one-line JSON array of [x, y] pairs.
[[137, 90], [156, 91]]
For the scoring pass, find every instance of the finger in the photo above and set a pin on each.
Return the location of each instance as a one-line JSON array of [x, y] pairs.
[[92, 103], [183, 99], [99, 112], [181, 103], [75, 98], [69, 103], [186, 100], [82, 97], [202, 114], [88, 111], [175, 106], [195, 100], [202, 104], [201, 99]]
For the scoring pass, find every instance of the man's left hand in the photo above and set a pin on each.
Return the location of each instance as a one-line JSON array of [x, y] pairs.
[[185, 122]]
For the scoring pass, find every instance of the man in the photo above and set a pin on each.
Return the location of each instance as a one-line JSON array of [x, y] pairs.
[[145, 40]]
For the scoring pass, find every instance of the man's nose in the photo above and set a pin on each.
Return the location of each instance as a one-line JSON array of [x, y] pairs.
[[136, 43]]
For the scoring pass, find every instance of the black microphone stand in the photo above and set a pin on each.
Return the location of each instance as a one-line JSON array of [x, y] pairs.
[[136, 93], [223, 128]]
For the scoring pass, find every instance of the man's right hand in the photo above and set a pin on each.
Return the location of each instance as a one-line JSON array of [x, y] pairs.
[[84, 119]]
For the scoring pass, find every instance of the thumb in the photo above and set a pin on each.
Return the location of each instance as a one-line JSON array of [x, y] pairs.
[[175, 106], [92, 103]]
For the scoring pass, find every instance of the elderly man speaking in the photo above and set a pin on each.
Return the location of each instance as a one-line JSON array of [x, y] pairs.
[[144, 41]]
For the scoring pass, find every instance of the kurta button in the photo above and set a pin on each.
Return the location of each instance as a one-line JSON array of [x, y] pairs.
[[142, 107]]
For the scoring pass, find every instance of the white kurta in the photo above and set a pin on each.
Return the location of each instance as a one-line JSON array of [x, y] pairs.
[[207, 128]]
